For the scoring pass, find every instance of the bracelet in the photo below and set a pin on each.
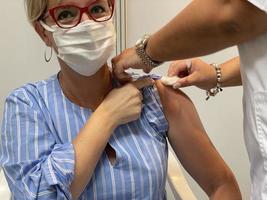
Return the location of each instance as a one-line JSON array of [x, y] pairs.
[[213, 91], [146, 60], [141, 52]]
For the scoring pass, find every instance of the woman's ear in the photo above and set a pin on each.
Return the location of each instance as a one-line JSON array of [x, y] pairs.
[[42, 33]]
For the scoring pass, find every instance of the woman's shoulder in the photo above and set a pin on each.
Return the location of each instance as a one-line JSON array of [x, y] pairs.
[[173, 101], [153, 110], [30, 93]]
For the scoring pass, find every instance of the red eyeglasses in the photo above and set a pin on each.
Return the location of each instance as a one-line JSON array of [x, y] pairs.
[[69, 16]]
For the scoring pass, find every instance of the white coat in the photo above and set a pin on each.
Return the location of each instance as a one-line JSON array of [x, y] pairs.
[[253, 55]]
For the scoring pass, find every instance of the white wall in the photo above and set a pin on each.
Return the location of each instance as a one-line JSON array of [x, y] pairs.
[[21, 51], [21, 58], [221, 116]]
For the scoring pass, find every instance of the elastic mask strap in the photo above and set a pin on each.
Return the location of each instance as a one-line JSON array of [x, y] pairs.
[[46, 27]]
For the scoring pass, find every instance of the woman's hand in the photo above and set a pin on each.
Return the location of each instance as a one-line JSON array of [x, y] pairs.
[[199, 74], [124, 105]]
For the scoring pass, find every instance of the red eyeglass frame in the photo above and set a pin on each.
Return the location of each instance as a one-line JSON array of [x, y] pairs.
[[51, 11]]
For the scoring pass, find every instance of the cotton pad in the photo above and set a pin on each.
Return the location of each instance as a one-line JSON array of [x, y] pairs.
[[169, 81]]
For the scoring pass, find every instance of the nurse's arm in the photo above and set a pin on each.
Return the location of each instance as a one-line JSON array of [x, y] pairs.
[[231, 75], [193, 147], [206, 26], [203, 75]]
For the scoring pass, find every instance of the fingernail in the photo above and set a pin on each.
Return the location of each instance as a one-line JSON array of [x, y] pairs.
[[171, 74], [176, 86], [152, 81]]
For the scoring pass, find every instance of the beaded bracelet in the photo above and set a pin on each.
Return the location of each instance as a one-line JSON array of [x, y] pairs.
[[213, 91]]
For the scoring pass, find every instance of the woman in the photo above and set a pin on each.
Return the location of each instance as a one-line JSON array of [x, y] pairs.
[[81, 135]]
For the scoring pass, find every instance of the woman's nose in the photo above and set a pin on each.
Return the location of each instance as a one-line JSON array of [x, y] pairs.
[[85, 16]]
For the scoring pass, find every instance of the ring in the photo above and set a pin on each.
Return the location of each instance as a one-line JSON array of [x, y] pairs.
[[188, 65]]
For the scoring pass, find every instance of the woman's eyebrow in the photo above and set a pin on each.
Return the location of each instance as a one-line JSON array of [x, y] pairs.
[[62, 1]]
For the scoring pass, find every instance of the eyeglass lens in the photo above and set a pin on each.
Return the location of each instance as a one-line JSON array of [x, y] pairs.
[[67, 16]]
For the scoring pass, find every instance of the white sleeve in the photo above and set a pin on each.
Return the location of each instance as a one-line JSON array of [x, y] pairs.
[[261, 4]]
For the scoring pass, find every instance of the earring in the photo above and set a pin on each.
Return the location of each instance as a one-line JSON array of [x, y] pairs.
[[47, 59]]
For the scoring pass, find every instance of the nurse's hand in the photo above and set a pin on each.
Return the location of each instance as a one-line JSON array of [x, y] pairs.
[[126, 60], [124, 104], [198, 73]]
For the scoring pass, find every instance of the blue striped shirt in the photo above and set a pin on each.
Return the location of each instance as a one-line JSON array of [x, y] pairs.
[[37, 154]]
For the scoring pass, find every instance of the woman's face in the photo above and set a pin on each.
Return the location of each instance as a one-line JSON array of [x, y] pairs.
[[67, 13], [79, 44], [63, 14]]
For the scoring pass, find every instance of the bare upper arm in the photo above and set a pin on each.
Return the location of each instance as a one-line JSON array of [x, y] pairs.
[[189, 140], [177, 105], [181, 114]]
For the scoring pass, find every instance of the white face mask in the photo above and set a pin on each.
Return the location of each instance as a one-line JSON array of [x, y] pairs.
[[86, 47]]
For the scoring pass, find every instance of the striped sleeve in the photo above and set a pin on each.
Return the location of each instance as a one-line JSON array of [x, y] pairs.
[[153, 111], [35, 166], [261, 4]]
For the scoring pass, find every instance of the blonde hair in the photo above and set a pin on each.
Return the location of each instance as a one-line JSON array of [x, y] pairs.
[[35, 9]]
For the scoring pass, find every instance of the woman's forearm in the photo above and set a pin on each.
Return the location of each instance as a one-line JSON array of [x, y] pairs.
[[231, 75], [206, 26], [89, 146]]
